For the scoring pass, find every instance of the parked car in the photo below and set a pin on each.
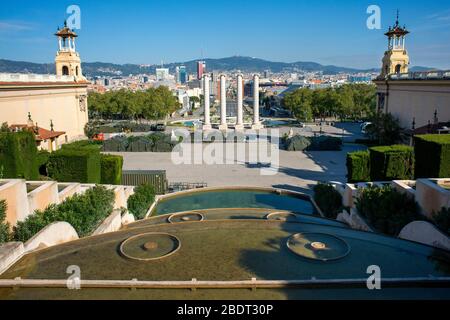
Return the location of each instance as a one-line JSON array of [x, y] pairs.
[[364, 127]]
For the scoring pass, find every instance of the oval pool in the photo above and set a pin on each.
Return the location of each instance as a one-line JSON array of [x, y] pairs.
[[234, 198]]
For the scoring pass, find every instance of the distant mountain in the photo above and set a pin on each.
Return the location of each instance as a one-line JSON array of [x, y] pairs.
[[244, 64]]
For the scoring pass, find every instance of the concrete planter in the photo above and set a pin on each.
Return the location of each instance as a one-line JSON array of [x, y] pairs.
[[15, 194], [44, 194], [431, 196]]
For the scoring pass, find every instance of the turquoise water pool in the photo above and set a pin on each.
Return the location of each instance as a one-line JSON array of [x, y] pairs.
[[234, 199]]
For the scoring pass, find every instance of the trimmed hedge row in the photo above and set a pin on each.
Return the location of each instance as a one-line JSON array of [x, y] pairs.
[[389, 163], [381, 164], [157, 142], [84, 212], [321, 143], [111, 169], [18, 155], [358, 166], [82, 162], [69, 165], [432, 156]]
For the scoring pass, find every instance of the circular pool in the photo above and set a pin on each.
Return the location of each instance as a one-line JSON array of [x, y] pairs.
[[318, 246], [150, 246]]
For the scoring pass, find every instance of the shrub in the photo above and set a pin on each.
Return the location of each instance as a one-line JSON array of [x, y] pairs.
[[322, 143], [157, 142], [18, 155], [442, 220], [139, 203], [387, 210], [297, 143], [83, 145], [83, 211], [5, 235], [432, 156], [391, 162], [358, 166], [111, 169], [69, 165], [328, 199], [325, 143]]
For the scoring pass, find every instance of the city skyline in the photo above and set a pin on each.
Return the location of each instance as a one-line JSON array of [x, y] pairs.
[[331, 33]]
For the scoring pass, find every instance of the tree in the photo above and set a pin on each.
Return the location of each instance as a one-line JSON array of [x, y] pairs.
[[193, 100], [152, 104], [355, 101], [299, 103], [385, 129]]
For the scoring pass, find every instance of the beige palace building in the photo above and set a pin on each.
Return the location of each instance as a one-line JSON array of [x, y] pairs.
[[417, 99], [57, 101]]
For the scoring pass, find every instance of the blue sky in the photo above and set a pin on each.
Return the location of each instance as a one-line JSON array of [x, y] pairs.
[[138, 31]]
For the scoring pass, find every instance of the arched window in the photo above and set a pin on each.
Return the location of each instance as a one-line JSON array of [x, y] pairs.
[[77, 71], [65, 71], [398, 68]]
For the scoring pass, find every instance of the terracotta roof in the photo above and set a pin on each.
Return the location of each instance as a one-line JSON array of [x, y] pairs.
[[41, 134], [66, 32], [397, 30]]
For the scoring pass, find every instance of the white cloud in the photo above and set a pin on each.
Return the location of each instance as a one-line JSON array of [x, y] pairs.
[[14, 26]]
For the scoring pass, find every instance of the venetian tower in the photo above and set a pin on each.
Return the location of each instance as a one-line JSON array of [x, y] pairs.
[[67, 60], [396, 59]]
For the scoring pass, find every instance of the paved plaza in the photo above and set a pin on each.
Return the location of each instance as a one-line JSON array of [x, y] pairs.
[[297, 171]]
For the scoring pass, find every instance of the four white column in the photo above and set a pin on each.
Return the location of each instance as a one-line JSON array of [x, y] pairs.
[[223, 103], [206, 102], [256, 123], [240, 103]]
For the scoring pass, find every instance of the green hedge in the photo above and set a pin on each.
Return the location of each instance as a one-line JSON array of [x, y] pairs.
[[18, 155], [358, 166], [387, 210], [328, 199], [157, 142], [69, 165], [432, 156], [391, 162], [321, 143], [111, 169], [83, 145], [4, 226], [139, 203], [84, 212]]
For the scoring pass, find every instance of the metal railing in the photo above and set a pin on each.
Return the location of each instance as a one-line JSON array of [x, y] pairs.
[[440, 282], [155, 178], [183, 186], [425, 75], [24, 77]]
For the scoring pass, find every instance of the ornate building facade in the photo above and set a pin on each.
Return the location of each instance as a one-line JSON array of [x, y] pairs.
[[56, 101], [417, 99]]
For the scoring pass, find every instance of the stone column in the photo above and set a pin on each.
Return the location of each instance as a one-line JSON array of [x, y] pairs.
[[223, 103], [256, 123], [206, 102], [240, 104]]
